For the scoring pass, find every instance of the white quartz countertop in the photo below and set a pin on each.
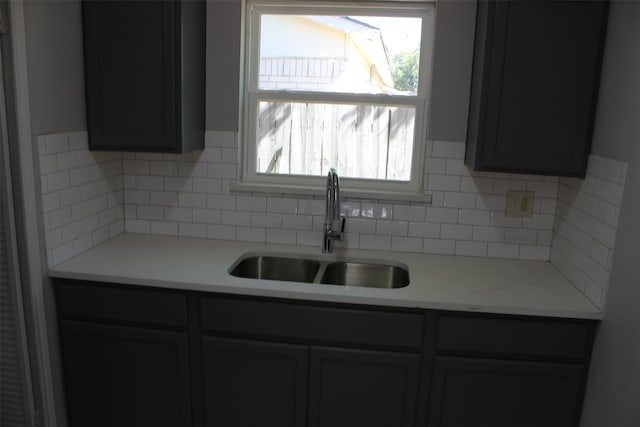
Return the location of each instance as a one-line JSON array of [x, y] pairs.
[[436, 281]]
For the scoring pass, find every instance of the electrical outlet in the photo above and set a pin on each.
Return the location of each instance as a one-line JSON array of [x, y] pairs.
[[519, 203]]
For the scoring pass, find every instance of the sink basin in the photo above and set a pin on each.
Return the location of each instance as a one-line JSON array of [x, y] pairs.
[[276, 268], [289, 268], [365, 274]]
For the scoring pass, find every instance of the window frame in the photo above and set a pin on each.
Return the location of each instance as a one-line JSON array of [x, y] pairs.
[[251, 94]]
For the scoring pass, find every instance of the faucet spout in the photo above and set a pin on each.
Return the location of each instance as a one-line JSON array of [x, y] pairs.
[[333, 222]]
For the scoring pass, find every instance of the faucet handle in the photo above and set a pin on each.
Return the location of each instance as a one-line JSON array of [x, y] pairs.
[[339, 224]]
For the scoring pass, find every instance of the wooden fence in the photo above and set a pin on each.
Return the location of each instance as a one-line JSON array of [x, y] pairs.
[[360, 141]]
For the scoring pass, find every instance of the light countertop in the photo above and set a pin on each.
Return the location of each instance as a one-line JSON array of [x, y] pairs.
[[436, 281]]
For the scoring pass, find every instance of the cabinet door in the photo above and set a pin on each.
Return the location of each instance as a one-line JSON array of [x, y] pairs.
[[362, 388], [130, 63], [535, 85], [122, 376], [469, 392], [250, 383]]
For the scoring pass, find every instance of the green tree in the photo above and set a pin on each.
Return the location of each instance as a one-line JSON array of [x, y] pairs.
[[405, 70]]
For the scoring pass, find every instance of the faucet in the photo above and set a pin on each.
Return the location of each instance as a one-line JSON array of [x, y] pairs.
[[333, 222]]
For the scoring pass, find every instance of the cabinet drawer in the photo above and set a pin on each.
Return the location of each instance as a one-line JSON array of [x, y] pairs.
[[504, 336], [331, 325], [87, 300]]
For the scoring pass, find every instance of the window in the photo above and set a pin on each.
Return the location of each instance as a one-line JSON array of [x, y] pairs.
[[337, 85]]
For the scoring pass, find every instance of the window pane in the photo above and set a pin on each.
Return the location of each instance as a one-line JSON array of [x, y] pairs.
[[345, 54], [360, 141]]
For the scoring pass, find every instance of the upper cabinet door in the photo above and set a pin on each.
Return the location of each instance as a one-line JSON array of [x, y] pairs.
[[144, 75], [535, 85]]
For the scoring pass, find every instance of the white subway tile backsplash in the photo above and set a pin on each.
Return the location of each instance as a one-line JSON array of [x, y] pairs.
[[439, 246], [236, 218], [375, 242], [249, 234], [476, 185], [311, 207], [406, 244], [377, 211], [178, 214], [534, 253], [442, 215], [205, 185], [392, 228], [48, 164], [192, 200], [474, 217], [460, 200], [150, 183], [266, 220], [585, 225], [81, 191], [56, 143], [138, 226], [223, 232], [491, 202], [189, 229], [302, 222], [444, 183], [409, 213], [164, 228], [221, 201], [456, 231], [285, 237], [163, 198], [222, 170], [424, 229], [477, 249], [194, 169], [163, 168], [488, 234], [360, 226], [543, 188], [502, 185], [350, 209], [251, 203], [135, 167], [280, 205], [503, 250], [309, 238], [521, 236]]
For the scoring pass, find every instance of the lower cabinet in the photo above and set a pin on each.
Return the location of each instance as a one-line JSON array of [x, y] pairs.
[[362, 388], [125, 376], [503, 393], [136, 356], [253, 383], [256, 383]]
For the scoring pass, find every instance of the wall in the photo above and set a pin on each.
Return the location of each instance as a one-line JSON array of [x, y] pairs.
[[56, 76], [613, 389]]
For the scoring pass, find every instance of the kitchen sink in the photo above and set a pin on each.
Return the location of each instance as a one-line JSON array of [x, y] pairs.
[[369, 273], [365, 274], [276, 268]]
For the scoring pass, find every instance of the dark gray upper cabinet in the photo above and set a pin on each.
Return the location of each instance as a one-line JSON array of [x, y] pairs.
[[144, 74], [534, 87]]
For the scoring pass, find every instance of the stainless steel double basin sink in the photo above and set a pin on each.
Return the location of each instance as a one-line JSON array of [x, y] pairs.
[[351, 272]]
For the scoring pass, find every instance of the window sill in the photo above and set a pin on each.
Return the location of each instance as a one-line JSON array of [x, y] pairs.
[[292, 190]]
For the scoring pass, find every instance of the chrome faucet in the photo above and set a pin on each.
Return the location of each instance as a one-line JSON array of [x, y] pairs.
[[333, 222]]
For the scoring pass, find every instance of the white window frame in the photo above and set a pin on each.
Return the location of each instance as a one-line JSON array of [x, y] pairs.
[[251, 95]]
